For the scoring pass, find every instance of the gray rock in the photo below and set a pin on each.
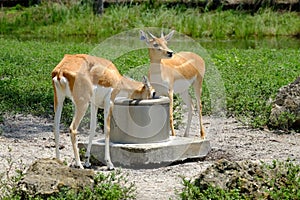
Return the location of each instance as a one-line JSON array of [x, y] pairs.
[[252, 179], [228, 175], [48, 176], [285, 111]]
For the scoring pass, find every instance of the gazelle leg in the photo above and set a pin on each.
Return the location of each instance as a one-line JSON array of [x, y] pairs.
[[108, 107], [171, 93], [58, 106], [80, 110], [93, 125], [188, 101], [198, 91]]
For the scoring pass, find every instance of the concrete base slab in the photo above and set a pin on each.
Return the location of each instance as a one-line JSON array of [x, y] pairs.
[[151, 155]]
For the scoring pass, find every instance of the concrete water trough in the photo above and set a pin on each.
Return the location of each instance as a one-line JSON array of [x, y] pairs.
[[140, 121], [140, 136]]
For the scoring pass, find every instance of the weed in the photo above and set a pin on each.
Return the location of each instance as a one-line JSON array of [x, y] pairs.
[[285, 120]]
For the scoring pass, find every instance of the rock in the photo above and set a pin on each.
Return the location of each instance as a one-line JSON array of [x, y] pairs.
[[252, 179], [47, 176], [229, 175], [285, 111]]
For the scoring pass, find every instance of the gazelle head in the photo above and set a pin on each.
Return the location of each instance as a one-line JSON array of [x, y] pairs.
[[144, 90], [158, 46]]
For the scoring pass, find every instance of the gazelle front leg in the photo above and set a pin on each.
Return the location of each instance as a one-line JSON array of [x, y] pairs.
[[108, 107]]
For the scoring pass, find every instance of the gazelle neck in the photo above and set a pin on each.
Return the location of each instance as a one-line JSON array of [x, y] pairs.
[[131, 85], [154, 59], [154, 62], [155, 68]]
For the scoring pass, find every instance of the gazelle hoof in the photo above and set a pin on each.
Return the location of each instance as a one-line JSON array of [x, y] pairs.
[[110, 166], [76, 166], [87, 165]]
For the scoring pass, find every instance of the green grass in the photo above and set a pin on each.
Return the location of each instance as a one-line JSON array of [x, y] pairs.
[[56, 20], [251, 77], [25, 75]]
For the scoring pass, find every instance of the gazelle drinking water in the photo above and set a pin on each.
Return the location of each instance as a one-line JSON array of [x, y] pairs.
[[172, 72], [91, 80]]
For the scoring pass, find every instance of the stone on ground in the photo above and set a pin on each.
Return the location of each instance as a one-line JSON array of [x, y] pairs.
[[47, 176], [285, 111]]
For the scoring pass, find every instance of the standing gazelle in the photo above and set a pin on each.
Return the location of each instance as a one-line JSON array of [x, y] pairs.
[[91, 80], [175, 73]]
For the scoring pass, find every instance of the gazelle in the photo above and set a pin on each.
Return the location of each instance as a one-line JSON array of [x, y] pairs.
[[175, 73], [91, 80]]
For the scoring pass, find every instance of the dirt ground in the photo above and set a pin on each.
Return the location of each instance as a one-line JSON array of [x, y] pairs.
[[26, 138]]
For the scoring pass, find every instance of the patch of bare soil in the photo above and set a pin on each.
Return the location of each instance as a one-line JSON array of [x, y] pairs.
[[26, 138]]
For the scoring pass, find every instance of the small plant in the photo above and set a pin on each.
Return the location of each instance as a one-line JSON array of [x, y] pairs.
[[113, 186], [193, 192], [284, 121], [283, 181]]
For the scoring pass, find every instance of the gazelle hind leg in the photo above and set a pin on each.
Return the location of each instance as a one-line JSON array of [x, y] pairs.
[[93, 124], [80, 110], [58, 106], [198, 91], [188, 101], [171, 93]]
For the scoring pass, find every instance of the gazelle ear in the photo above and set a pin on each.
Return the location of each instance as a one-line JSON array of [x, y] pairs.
[[146, 81], [169, 36], [143, 36]]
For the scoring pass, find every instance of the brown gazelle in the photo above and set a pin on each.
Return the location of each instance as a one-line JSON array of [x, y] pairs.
[[91, 80], [172, 72]]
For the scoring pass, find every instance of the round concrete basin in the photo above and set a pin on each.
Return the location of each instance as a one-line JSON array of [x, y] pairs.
[[140, 121]]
